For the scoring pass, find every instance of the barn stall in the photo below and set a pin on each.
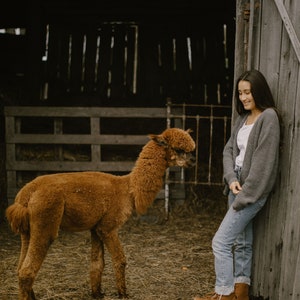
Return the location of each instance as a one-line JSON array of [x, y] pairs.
[[80, 86], [115, 58]]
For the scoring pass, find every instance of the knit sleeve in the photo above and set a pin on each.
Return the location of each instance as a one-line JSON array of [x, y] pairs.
[[261, 159]]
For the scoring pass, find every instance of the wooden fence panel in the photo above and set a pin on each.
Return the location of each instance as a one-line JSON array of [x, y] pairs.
[[42, 140], [57, 137]]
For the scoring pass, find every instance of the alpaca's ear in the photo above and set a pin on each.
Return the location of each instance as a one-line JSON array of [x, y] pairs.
[[189, 130], [158, 139]]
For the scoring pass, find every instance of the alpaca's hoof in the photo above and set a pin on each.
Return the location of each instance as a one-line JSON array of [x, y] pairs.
[[98, 295], [32, 295], [27, 296]]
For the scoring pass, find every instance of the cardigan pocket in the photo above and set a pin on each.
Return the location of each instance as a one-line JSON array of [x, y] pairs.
[[226, 190]]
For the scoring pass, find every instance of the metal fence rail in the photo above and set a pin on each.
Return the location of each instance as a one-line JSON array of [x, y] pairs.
[[216, 130]]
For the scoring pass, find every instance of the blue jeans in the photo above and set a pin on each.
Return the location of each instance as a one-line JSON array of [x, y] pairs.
[[232, 246]]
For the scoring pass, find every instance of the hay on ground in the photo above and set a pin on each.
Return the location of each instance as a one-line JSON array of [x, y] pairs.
[[166, 259]]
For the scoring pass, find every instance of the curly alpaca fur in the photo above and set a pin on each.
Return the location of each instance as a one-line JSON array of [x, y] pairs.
[[95, 201]]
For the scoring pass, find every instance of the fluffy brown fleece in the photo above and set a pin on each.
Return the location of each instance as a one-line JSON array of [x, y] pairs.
[[95, 201]]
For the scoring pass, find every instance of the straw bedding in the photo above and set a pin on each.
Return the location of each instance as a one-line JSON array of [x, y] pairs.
[[166, 259]]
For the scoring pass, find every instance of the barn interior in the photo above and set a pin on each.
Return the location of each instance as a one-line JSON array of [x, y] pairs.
[[116, 54]]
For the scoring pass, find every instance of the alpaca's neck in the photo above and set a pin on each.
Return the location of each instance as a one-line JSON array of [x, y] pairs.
[[146, 178]]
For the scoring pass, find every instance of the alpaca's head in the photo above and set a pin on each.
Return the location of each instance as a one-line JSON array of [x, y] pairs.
[[178, 145]]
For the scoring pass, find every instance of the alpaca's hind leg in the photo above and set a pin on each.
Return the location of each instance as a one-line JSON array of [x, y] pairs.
[[97, 264], [24, 248], [34, 258], [115, 249], [41, 237]]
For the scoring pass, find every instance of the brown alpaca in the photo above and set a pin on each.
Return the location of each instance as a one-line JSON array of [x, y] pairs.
[[94, 201]]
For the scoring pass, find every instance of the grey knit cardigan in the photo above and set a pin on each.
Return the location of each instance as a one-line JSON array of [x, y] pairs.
[[261, 160]]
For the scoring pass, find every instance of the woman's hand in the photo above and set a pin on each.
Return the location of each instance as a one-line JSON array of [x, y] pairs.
[[235, 187]]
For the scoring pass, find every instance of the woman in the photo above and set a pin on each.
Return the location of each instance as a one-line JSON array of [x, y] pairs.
[[250, 161]]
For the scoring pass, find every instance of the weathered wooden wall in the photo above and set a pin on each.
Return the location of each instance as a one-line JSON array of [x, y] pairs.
[[76, 54], [132, 64], [271, 34]]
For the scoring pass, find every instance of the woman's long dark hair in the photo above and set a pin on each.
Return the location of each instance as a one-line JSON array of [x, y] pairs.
[[260, 91], [262, 96]]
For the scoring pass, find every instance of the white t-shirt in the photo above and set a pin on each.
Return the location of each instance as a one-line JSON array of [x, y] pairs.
[[242, 140]]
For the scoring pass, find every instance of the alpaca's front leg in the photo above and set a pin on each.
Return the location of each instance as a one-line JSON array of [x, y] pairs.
[[97, 264], [115, 249]]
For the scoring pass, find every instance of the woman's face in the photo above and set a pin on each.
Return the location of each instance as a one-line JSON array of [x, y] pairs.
[[245, 95]]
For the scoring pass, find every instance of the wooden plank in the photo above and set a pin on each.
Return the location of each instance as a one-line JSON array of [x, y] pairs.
[[34, 47], [149, 81], [182, 72], [89, 80], [167, 63], [270, 39], [9, 126], [62, 81], [11, 178], [289, 27], [76, 60], [291, 232], [267, 36], [103, 139], [131, 61], [112, 112], [289, 90], [104, 63], [275, 268], [95, 149], [197, 49], [10, 152], [11, 185], [58, 130], [52, 60], [59, 166], [254, 35], [214, 51], [118, 94], [296, 285], [241, 38]]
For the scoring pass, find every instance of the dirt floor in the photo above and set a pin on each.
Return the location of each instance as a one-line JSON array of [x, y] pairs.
[[167, 259]]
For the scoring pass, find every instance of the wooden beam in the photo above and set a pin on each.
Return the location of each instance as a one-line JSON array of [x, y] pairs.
[[289, 27]]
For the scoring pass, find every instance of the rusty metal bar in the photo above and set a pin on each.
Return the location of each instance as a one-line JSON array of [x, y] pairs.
[[183, 116]]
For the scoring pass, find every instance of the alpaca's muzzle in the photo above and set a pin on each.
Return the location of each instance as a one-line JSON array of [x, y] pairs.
[[190, 160]]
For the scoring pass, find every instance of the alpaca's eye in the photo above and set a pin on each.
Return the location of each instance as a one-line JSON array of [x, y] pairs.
[[179, 151]]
